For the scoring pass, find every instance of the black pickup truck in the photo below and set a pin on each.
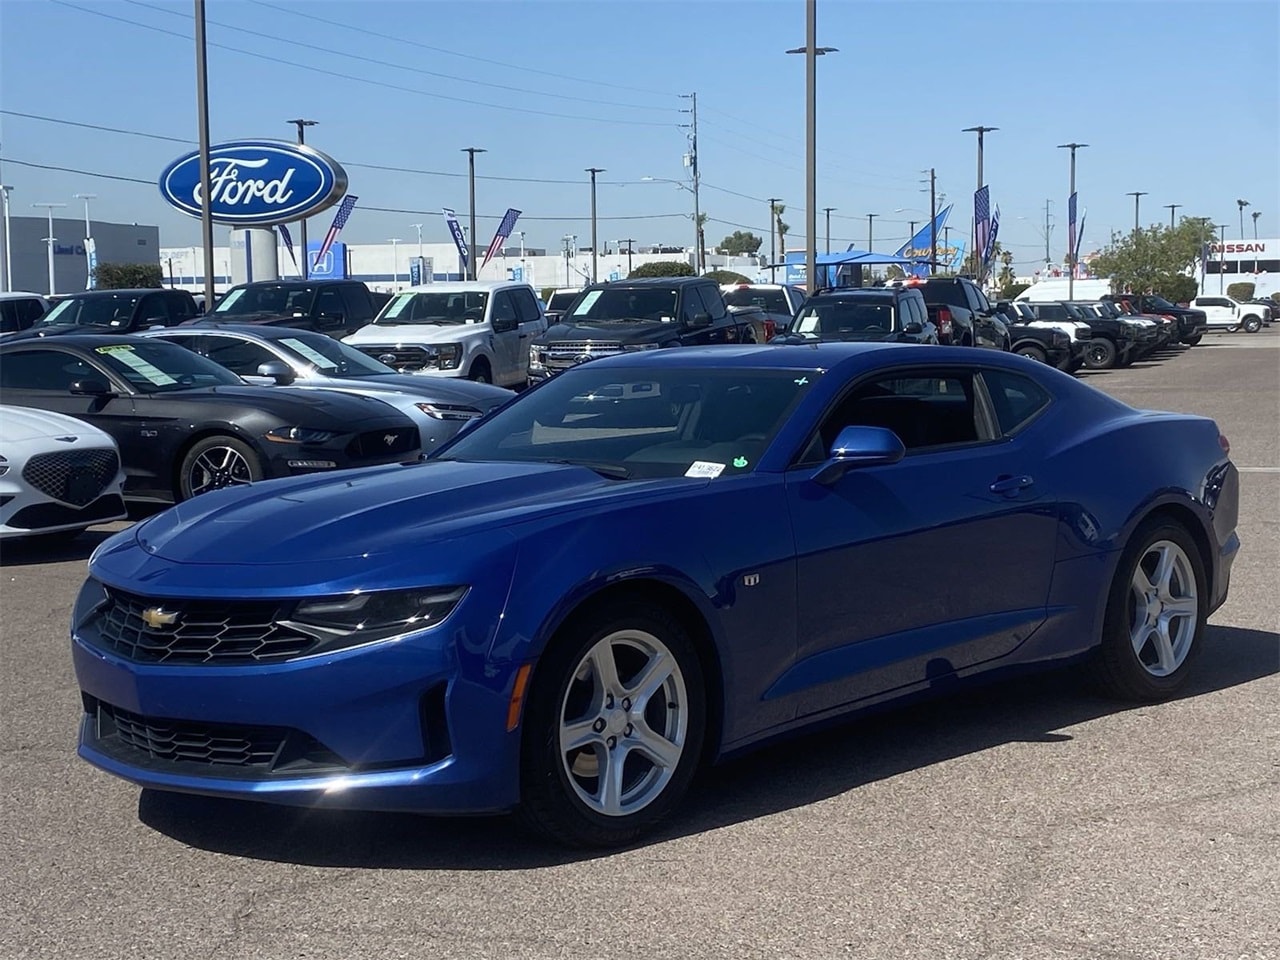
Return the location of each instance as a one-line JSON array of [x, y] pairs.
[[335, 307], [1114, 342], [1042, 343], [963, 314], [115, 311], [1192, 324], [611, 318]]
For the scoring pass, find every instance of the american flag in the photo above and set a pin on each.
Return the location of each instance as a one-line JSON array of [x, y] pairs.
[[981, 220], [339, 221], [1071, 226], [504, 230]]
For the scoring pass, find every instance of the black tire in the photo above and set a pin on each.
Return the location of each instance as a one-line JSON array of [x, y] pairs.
[[1032, 352], [480, 371], [550, 802], [1100, 354], [194, 477], [1193, 340], [1252, 325], [1117, 667]]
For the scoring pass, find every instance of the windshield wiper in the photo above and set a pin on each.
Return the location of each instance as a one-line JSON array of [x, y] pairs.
[[611, 471]]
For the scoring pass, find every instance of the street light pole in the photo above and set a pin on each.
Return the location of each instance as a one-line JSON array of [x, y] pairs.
[[594, 254], [1137, 197], [50, 207], [1222, 254], [1172, 208], [7, 286], [1071, 254], [811, 52], [421, 259], [302, 224], [1242, 204], [827, 211], [88, 234], [981, 131], [206, 179], [471, 172], [1256, 214], [628, 242], [395, 262], [773, 256], [870, 220]]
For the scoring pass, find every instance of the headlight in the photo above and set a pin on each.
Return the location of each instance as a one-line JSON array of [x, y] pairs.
[[449, 355], [629, 347], [538, 356], [299, 435], [449, 411], [1060, 339], [356, 618]]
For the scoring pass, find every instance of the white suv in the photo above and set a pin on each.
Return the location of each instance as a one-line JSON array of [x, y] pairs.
[[477, 330], [1224, 313]]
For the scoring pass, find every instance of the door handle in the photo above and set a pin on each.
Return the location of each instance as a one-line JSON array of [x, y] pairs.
[[524, 336], [1010, 485]]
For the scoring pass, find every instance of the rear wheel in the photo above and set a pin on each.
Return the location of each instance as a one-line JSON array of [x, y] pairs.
[[217, 462], [1155, 614], [1032, 352], [614, 728], [1100, 354]]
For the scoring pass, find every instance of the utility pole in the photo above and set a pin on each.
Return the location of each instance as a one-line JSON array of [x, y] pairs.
[[699, 257], [206, 179], [471, 177], [7, 286], [933, 220], [1242, 204], [827, 211], [628, 242], [870, 220], [1222, 254], [302, 124], [1137, 197], [49, 240], [773, 222], [1071, 254], [1048, 231], [594, 268], [811, 52], [981, 131], [1171, 207]]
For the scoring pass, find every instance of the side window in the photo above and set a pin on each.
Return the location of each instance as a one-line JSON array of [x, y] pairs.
[[329, 303], [50, 370], [1017, 399], [9, 318], [925, 409], [713, 302], [239, 356], [527, 306], [153, 310], [503, 315], [189, 342], [983, 303], [181, 307], [357, 303]]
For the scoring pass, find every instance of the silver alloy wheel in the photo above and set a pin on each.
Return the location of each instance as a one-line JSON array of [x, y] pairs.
[[216, 468], [623, 723], [1163, 608]]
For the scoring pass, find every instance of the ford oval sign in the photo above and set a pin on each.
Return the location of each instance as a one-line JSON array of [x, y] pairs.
[[256, 183]]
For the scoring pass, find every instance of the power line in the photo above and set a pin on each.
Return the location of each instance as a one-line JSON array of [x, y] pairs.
[[276, 38], [367, 80]]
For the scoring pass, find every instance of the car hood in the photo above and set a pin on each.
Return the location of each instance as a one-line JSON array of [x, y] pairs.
[[18, 424], [482, 395], [373, 511], [617, 331], [414, 333], [290, 403]]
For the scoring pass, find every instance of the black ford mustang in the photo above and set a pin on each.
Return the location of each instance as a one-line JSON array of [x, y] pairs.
[[185, 425]]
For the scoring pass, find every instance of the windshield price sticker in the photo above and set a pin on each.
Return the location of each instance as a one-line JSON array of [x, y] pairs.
[[397, 306], [315, 356], [705, 470], [126, 355]]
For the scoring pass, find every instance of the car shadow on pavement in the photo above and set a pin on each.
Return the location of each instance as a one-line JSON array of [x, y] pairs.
[[795, 773], [38, 550]]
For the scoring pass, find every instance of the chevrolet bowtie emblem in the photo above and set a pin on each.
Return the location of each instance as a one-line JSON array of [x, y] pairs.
[[156, 617]]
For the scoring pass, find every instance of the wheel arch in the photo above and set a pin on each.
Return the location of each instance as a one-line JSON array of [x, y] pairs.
[[1182, 514]]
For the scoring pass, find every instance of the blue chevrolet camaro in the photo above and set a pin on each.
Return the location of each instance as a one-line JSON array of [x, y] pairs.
[[646, 564]]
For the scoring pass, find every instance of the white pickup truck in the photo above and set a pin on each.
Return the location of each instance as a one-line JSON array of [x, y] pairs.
[[474, 330], [1228, 314]]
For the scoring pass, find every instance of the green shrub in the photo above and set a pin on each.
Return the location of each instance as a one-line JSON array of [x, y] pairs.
[[1240, 291], [727, 276], [127, 276], [663, 268]]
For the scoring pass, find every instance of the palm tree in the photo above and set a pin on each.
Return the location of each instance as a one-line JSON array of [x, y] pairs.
[[782, 229]]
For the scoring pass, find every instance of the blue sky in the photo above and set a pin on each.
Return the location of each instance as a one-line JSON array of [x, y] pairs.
[[1177, 99]]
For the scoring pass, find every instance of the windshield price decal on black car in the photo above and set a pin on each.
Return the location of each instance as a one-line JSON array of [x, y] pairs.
[[126, 355]]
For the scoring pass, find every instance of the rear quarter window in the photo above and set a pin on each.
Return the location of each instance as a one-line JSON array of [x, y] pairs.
[[1017, 399]]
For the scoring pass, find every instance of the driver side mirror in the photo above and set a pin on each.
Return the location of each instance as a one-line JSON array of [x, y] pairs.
[[700, 320], [277, 370], [91, 388], [331, 321], [913, 329], [504, 324], [859, 447]]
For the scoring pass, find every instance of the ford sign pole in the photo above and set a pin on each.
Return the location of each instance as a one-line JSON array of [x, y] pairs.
[[206, 190], [471, 171], [302, 224]]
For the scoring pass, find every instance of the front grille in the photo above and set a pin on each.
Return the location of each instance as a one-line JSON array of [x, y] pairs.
[[565, 354], [76, 477], [211, 632], [40, 516], [235, 749], [402, 358], [383, 443]]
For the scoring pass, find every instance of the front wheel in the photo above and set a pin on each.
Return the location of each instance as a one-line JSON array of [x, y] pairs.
[[1252, 325], [480, 371], [1100, 354], [1155, 614], [215, 463], [614, 728], [1193, 340]]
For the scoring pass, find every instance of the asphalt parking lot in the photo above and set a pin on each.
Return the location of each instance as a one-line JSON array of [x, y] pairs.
[[1031, 820]]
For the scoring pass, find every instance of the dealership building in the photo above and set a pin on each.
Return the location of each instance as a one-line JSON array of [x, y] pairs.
[[1242, 261], [28, 250]]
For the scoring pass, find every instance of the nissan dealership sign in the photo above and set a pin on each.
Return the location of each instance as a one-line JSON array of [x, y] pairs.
[[256, 183]]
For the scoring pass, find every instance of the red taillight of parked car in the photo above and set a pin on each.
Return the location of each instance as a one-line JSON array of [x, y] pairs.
[[770, 328], [1225, 444], [944, 325]]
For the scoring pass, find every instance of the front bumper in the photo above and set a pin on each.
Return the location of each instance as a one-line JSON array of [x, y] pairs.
[[396, 725]]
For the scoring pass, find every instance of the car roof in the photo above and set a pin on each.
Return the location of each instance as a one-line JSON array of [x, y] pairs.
[[84, 341], [653, 282], [467, 286], [20, 295], [256, 331], [820, 355], [282, 282], [842, 292], [127, 291]]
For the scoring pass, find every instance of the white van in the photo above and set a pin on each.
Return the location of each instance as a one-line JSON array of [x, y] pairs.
[[472, 329], [1055, 288]]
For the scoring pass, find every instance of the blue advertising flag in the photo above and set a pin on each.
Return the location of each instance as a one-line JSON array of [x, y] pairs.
[[981, 219], [989, 250], [459, 240], [1071, 225], [920, 246]]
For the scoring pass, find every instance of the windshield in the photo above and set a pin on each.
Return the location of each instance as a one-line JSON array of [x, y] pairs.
[[562, 300], [152, 366], [289, 300], [109, 310], [332, 357], [626, 303], [1160, 303], [1075, 312], [457, 307], [840, 319], [771, 301], [631, 423]]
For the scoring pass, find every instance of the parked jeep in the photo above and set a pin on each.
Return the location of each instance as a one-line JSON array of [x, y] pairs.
[[472, 329]]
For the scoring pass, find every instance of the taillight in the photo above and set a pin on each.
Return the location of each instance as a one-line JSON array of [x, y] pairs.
[[770, 328], [944, 325], [1225, 444]]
